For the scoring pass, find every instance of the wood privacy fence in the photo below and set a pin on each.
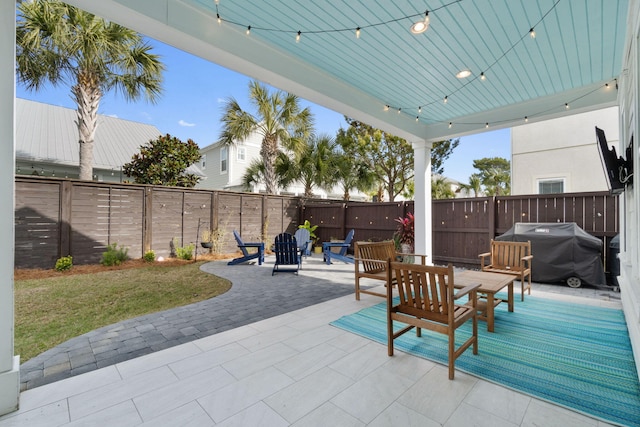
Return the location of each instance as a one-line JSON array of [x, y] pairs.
[[58, 217], [462, 228]]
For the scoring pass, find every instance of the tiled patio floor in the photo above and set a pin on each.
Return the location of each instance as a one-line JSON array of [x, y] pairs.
[[292, 369]]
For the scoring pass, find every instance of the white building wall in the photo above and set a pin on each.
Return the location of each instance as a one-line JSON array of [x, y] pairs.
[[562, 149], [629, 98]]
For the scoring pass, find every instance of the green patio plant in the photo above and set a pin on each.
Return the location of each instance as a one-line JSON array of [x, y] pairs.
[[307, 225], [114, 255], [149, 256], [64, 263]]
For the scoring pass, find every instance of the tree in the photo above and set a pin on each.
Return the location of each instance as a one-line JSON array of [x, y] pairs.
[[278, 119], [388, 157], [475, 185], [495, 175], [352, 174], [164, 161], [312, 166], [60, 44], [441, 189], [440, 152]]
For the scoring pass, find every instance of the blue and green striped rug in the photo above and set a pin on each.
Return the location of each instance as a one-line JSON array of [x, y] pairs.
[[573, 355]]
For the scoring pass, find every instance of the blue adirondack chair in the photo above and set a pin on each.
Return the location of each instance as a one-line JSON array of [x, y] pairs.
[[287, 254], [303, 238], [246, 255], [342, 254]]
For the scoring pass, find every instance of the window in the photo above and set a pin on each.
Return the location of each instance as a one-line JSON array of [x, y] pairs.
[[203, 161], [550, 186], [242, 154], [223, 160]]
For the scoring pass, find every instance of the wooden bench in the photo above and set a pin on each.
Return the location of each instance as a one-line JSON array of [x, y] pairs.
[[512, 258], [370, 259]]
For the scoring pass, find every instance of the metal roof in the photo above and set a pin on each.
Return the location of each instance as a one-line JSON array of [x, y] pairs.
[[570, 66]]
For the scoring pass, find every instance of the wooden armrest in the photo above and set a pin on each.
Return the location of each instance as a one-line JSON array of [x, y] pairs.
[[375, 261], [527, 258], [423, 258], [466, 290], [484, 255]]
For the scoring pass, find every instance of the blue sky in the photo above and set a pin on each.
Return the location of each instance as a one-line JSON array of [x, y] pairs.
[[195, 90]]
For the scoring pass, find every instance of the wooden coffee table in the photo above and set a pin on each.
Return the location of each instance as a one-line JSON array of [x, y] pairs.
[[490, 284]]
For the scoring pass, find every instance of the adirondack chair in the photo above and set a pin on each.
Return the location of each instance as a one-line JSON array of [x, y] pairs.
[[246, 255], [342, 254], [287, 254], [303, 238]]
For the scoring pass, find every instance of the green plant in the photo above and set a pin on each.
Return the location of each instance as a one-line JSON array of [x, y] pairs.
[[114, 255], [65, 263], [149, 256], [185, 252], [307, 225]]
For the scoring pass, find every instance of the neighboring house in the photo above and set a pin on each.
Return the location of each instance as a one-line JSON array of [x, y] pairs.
[[561, 155], [225, 165], [47, 142]]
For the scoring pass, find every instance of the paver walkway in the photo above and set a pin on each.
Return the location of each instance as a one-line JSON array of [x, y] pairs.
[[254, 295]]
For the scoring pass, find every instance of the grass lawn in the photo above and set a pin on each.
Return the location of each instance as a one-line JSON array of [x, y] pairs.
[[52, 307]]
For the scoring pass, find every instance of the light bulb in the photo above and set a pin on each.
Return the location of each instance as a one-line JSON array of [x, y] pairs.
[[417, 118], [482, 76], [419, 110], [486, 125], [249, 30], [421, 26], [358, 32], [450, 124], [532, 33], [566, 106], [219, 20], [446, 98], [386, 108], [526, 119], [298, 37], [399, 110]]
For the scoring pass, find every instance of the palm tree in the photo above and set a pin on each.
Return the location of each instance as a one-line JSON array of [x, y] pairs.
[[57, 43], [441, 189], [312, 167], [475, 184], [278, 119], [353, 174]]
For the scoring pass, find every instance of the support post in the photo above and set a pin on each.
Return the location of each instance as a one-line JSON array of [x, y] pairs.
[[422, 199], [9, 364]]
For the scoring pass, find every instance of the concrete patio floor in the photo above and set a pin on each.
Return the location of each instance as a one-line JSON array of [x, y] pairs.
[[292, 369]]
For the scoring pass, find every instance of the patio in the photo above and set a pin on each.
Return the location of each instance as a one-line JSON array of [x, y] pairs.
[[292, 369]]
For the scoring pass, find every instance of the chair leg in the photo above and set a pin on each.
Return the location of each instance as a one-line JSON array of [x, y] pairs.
[[357, 289], [389, 336], [452, 351]]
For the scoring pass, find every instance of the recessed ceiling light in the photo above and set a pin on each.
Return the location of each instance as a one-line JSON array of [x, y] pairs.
[[463, 74]]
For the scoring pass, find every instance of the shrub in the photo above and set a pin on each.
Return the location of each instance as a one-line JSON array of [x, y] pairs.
[[114, 256], [149, 256], [65, 263], [185, 252]]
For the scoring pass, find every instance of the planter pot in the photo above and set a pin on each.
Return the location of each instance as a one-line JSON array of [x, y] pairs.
[[407, 249], [207, 245], [317, 249]]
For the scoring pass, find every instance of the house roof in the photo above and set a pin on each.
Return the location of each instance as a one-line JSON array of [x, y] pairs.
[[48, 133]]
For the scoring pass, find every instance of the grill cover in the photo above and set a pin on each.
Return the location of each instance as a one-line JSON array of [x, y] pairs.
[[560, 250]]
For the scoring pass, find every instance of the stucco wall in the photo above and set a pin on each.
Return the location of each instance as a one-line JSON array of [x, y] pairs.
[[563, 148]]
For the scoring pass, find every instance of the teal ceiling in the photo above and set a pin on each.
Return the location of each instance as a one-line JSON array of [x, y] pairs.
[[578, 49]]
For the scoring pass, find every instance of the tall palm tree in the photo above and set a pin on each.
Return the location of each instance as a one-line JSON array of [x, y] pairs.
[[57, 43], [353, 174], [475, 184], [279, 120]]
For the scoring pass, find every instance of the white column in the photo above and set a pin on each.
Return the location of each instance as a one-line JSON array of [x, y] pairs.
[[9, 364], [422, 199]]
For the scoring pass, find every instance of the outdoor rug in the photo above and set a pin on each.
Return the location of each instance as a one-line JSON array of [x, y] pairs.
[[572, 355]]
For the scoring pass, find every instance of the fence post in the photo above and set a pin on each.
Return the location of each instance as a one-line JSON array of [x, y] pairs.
[[493, 217], [147, 234], [65, 219]]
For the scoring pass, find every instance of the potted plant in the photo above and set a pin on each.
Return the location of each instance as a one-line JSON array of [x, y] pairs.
[[314, 239], [212, 239], [405, 234]]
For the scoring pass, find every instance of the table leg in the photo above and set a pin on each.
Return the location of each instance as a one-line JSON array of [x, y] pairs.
[[510, 296], [490, 307]]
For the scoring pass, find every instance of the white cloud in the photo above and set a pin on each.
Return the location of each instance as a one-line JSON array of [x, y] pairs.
[[221, 100], [186, 124], [115, 116]]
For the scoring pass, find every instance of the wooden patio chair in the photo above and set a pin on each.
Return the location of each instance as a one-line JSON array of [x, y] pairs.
[[427, 300], [340, 255], [246, 255], [287, 254]]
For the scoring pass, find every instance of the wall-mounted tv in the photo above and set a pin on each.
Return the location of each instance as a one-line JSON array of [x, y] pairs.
[[618, 170]]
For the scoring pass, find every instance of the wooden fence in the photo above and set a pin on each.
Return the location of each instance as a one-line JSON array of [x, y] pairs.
[[462, 228], [58, 217]]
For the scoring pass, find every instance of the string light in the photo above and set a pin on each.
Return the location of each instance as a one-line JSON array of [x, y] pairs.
[[526, 119], [606, 85], [298, 37], [450, 124], [358, 32], [249, 30], [486, 125], [417, 118], [386, 108], [420, 27], [566, 105], [219, 20], [399, 110], [419, 109], [482, 76], [446, 98], [532, 33]]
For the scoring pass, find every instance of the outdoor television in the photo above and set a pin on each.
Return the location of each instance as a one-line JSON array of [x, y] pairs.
[[618, 170]]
